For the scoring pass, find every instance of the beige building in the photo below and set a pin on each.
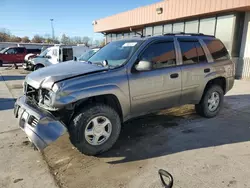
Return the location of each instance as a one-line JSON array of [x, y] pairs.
[[226, 19]]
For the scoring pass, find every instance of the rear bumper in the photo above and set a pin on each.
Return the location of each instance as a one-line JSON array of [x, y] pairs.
[[41, 127]]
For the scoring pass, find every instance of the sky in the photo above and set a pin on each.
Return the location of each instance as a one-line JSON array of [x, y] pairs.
[[71, 17]]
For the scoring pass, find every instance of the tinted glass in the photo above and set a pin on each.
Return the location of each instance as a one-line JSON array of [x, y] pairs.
[[108, 38], [178, 27], [132, 34], [207, 26], [192, 26], [158, 30], [189, 52], [11, 51], [113, 37], [201, 55], [116, 53], [160, 54], [217, 49], [126, 35], [149, 31], [119, 36], [224, 30], [168, 28], [20, 50], [87, 55]]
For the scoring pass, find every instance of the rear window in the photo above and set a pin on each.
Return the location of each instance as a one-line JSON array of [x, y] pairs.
[[217, 50], [192, 52]]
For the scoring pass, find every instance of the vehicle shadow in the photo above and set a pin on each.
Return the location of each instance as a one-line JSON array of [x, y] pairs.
[[7, 103], [12, 77], [180, 129]]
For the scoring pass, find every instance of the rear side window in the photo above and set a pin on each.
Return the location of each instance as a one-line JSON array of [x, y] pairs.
[[161, 54], [19, 50], [192, 52], [217, 50]]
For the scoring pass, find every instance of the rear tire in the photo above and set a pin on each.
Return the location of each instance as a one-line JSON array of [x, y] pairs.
[[79, 128], [211, 102], [38, 67], [1, 63]]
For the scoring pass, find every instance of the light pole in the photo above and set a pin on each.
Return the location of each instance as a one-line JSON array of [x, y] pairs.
[[52, 29]]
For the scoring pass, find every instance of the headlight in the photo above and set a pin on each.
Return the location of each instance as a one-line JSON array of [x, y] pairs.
[[46, 97]]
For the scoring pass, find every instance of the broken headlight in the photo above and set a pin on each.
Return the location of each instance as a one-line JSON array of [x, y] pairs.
[[46, 97]]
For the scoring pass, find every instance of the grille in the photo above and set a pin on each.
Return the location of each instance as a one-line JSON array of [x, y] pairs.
[[31, 92], [33, 121]]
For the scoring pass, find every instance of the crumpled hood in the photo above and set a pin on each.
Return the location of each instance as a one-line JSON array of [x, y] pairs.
[[47, 76]]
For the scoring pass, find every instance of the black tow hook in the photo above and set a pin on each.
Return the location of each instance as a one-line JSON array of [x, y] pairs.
[[166, 175]]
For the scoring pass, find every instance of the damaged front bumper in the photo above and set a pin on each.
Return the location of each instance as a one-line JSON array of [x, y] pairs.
[[27, 65], [41, 127]]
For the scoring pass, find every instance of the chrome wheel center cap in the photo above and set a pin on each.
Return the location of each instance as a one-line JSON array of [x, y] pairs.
[[98, 130]]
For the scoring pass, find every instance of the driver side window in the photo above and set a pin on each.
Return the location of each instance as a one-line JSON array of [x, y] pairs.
[[161, 54], [11, 51]]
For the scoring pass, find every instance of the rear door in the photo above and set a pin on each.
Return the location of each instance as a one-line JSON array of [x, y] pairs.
[[159, 87], [194, 69], [20, 54]]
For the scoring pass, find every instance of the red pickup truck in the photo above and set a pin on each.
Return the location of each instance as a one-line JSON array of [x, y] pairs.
[[15, 54]]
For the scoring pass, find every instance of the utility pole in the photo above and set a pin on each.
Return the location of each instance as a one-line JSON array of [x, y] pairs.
[[52, 29]]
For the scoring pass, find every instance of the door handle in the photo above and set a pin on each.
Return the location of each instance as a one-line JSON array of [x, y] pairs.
[[207, 70], [174, 75]]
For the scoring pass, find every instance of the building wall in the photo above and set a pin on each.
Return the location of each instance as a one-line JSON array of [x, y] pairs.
[[243, 62], [172, 10], [222, 26]]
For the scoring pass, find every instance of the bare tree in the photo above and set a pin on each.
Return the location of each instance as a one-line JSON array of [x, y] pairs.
[[4, 35], [25, 39], [37, 39], [65, 39], [14, 38], [86, 41]]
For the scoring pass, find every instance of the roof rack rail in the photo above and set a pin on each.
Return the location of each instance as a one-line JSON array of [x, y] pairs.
[[192, 34]]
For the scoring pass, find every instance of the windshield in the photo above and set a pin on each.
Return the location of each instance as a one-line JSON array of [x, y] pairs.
[[116, 53], [87, 55], [4, 50], [44, 53]]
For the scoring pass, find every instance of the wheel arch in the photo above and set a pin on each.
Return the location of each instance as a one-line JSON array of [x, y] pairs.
[[107, 99], [220, 81]]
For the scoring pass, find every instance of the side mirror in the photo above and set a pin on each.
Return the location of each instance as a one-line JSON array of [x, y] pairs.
[[75, 59], [144, 66], [48, 56]]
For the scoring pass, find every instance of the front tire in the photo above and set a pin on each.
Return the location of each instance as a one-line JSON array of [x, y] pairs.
[[211, 102], [95, 129]]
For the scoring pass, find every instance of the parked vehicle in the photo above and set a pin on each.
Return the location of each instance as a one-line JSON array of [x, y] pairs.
[[85, 56], [54, 55], [123, 80], [15, 54]]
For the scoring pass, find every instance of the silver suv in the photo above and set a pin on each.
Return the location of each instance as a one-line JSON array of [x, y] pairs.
[[123, 80]]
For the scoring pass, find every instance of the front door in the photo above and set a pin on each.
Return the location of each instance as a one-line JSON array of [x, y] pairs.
[[160, 87], [9, 56]]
